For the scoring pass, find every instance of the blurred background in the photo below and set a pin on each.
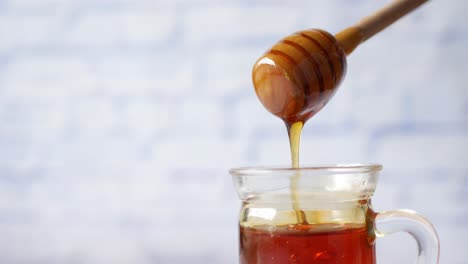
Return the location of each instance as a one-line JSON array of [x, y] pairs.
[[120, 119]]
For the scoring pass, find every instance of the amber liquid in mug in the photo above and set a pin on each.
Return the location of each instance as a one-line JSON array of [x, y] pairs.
[[306, 244]]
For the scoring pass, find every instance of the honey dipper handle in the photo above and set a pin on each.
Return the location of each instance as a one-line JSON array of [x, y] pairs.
[[351, 37], [384, 17]]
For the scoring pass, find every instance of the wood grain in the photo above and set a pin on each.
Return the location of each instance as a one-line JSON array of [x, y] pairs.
[[298, 75]]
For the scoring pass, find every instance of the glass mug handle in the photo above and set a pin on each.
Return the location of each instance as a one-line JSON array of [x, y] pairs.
[[417, 226]]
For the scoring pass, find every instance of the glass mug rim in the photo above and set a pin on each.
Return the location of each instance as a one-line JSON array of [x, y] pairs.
[[336, 183], [339, 168]]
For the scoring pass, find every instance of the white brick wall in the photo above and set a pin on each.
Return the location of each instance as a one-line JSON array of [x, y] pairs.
[[217, 25], [423, 151], [124, 27], [120, 119]]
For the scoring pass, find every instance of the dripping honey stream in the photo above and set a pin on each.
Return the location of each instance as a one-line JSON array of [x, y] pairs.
[[294, 132]]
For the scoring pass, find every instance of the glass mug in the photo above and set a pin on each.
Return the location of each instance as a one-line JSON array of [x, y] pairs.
[[319, 215]]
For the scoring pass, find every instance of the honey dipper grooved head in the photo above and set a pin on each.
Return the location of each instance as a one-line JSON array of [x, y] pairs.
[[299, 74]]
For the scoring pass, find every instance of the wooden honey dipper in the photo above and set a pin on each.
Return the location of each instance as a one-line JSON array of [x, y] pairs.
[[300, 74]]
